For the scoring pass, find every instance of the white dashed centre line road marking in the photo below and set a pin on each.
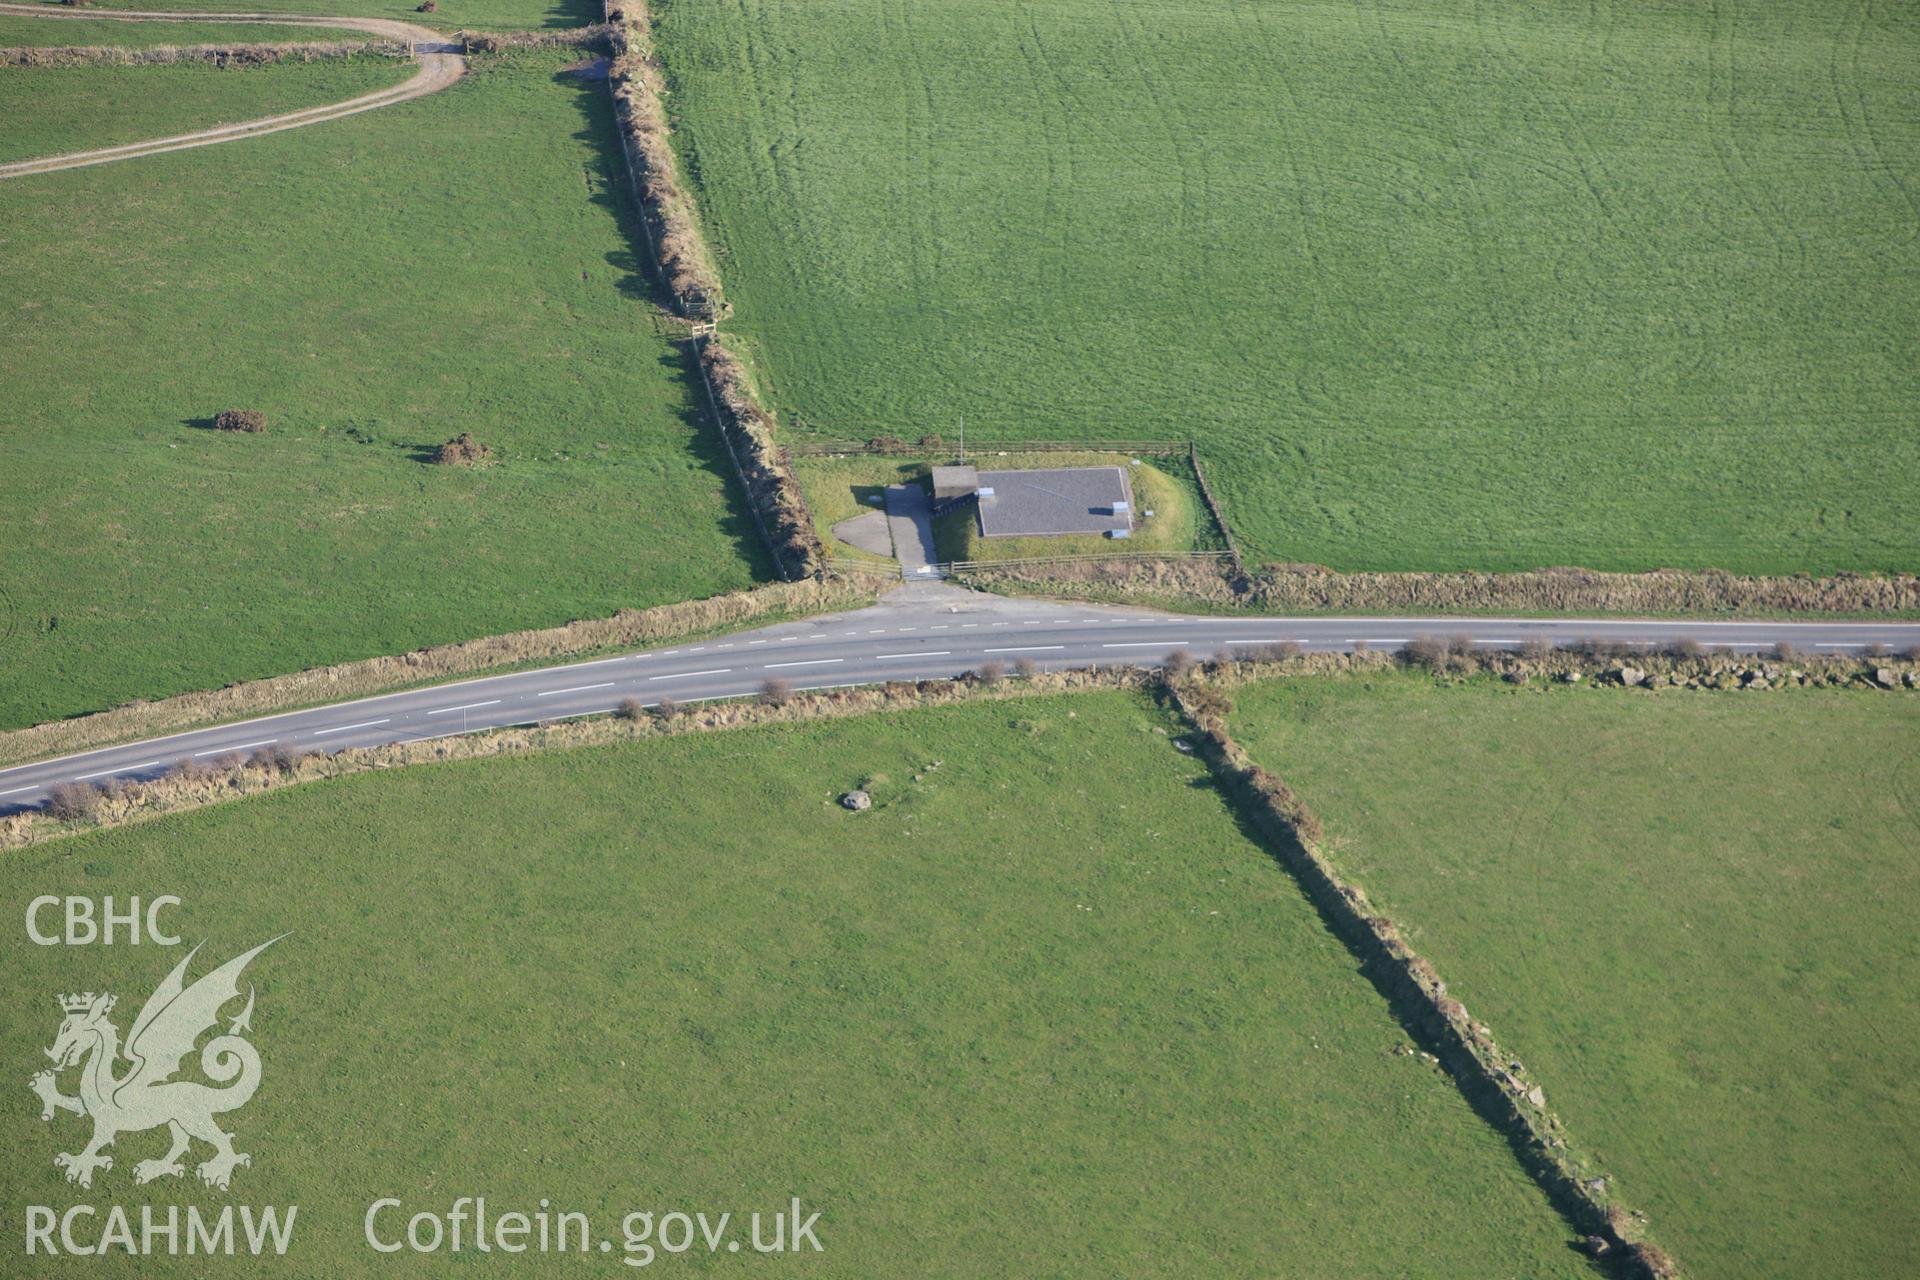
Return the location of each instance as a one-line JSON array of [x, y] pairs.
[[1377, 640], [17, 790], [494, 702], [364, 724], [125, 768], [924, 653], [810, 662], [1026, 648], [1839, 646], [579, 688], [1137, 644], [245, 746], [687, 675]]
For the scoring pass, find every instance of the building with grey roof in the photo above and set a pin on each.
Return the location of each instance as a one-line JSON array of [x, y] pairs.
[[1023, 504]]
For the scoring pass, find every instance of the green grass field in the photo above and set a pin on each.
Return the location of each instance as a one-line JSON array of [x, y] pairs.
[[1043, 1010], [1689, 914], [16, 30], [54, 109], [1435, 285], [376, 285]]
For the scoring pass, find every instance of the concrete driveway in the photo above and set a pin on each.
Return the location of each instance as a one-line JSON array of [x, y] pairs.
[[910, 515]]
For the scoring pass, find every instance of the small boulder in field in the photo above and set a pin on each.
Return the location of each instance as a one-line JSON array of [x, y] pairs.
[[249, 420], [426, 6], [1886, 677], [857, 800]]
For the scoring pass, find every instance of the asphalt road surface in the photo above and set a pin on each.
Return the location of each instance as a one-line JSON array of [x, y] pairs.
[[923, 631]]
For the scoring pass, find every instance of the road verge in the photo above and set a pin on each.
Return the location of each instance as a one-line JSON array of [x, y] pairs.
[[194, 786], [346, 680]]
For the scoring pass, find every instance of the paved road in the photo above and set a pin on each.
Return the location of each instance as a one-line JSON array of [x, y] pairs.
[[923, 631], [441, 63]]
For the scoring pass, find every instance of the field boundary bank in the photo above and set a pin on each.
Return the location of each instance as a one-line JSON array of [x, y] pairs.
[[594, 35], [225, 56], [392, 673], [1190, 583], [1511, 1101], [681, 257]]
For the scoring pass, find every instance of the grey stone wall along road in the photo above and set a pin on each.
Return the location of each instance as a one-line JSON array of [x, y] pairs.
[[923, 630]]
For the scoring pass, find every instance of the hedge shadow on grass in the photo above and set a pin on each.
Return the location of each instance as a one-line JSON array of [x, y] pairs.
[[642, 282]]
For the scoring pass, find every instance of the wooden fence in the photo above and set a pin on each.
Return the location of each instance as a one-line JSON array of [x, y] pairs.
[[1206, 491], [893, 446], [1091, 557]]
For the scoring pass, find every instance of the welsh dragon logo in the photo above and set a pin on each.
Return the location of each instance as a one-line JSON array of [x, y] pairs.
[[145, 1095]]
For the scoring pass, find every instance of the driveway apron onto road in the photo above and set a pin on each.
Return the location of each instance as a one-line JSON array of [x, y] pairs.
[[910, 516]]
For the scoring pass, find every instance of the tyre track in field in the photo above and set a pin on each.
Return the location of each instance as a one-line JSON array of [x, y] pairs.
[[1858, 122], [1557, 111], [441, 62], [1723, 133], [1477, 214], [1058, 118], [1314, 397]]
